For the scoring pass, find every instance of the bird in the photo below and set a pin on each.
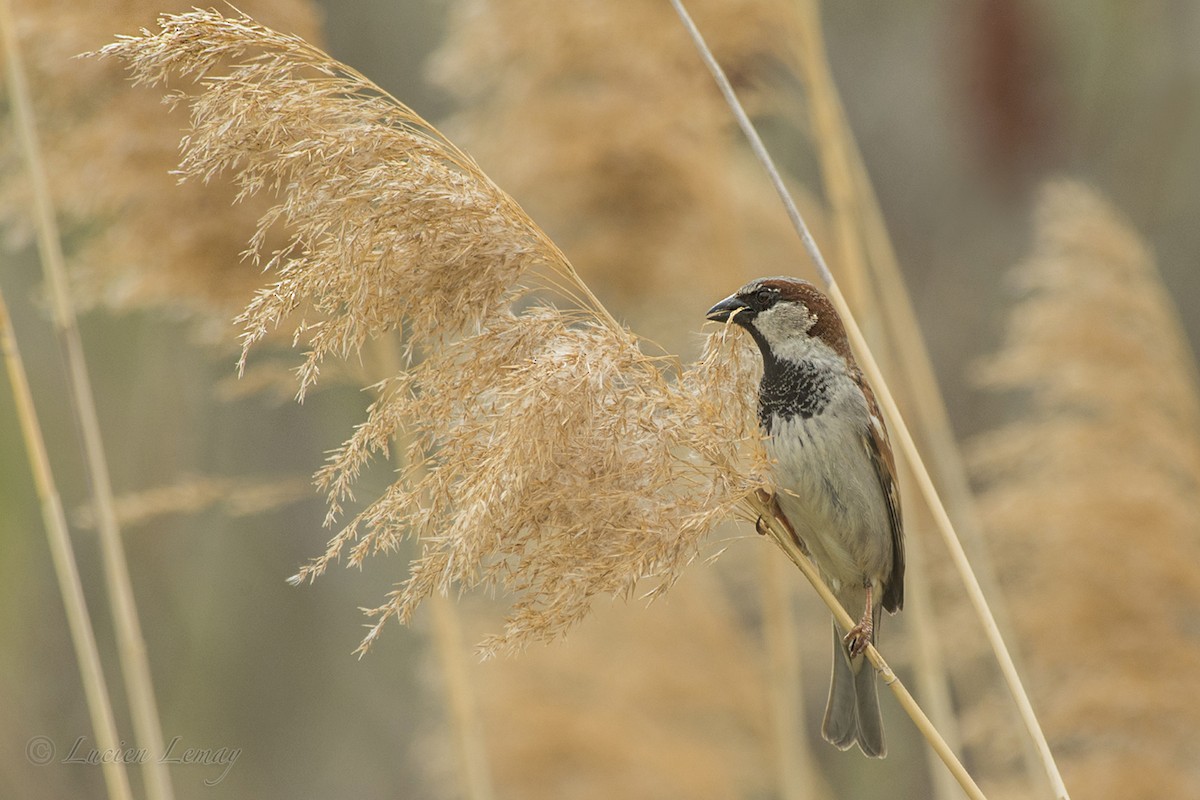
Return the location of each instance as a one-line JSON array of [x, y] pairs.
[[834, 478]]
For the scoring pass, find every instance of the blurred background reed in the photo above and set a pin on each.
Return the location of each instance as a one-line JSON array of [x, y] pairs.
[[1073, 381]]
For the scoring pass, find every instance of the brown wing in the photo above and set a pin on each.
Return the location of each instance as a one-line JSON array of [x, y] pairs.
[[880, 450]]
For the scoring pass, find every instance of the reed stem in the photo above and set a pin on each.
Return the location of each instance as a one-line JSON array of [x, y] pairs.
[[464, 718], [79, 622], [851, 194], [466, 724], [779, 534], [798, 777], [130, 643], [899, 429]]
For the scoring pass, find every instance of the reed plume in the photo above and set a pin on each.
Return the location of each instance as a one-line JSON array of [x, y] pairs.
[[1093, 496], [608, 129], [669, 702], [192, 494], [109, 155], [548, 454]]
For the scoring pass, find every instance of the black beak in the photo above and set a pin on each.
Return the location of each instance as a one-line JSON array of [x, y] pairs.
[[725, 309]]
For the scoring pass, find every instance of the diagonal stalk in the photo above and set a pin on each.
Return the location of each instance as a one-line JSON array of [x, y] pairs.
[[797, 774], [836, 150], [467, 724], [900, 430], [762, 509], [465, 719], [91, 673], [928, 659], [860, 220], [131, 646]]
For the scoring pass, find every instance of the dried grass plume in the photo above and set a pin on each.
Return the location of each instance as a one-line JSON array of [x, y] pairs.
[[1093, 495], [610, 130], [135, 238], [547, 455]]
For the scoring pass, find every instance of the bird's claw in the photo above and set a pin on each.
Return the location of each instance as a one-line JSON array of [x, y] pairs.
[[762, 527], [859, 637]]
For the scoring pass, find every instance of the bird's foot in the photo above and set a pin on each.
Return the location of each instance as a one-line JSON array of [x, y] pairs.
[[862, 634], [859, 637], [760, 525]]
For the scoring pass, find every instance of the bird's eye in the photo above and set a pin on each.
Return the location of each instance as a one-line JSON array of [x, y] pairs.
[[765, 296]]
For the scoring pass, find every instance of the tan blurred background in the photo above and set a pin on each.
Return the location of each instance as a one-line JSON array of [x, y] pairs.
[[961, 110]]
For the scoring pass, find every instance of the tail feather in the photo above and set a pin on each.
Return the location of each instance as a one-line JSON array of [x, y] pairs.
[[852, 714]]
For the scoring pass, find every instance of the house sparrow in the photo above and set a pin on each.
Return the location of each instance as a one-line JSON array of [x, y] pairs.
[[834, 475]]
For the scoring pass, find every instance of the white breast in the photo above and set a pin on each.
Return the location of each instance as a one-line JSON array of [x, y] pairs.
[[829, 490]]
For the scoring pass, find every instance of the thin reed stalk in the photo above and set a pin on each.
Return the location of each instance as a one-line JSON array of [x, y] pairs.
[[836, 153], [898, 427], [831, 145], [91, 672], [465, 721], [797, 774], [852, 197], [850, 188], [537, 103], [463, 717], [946, 527], [864, 244], [130, 643], [761, 508], [929, 664]]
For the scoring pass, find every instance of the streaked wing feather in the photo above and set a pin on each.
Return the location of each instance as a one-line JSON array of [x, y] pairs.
[[876, 441]]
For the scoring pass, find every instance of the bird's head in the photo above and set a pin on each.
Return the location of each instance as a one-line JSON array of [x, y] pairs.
[[789, 318]]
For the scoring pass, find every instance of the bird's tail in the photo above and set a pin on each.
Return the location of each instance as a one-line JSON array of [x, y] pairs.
[[852, 714]]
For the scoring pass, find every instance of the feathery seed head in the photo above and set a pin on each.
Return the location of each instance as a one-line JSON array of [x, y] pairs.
[[134, 237], [1092, 496], [544, 452]]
